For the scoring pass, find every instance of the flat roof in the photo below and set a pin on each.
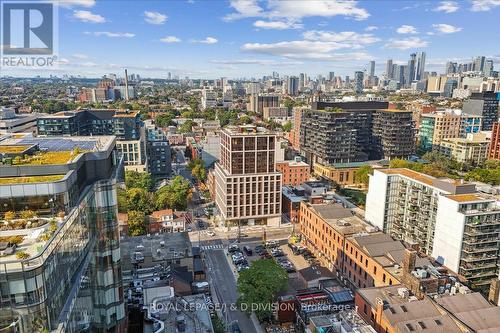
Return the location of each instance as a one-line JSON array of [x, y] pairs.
[[469, 197], [58, 143], [247, 130], [340, 218], [294, 163], [423, 178]]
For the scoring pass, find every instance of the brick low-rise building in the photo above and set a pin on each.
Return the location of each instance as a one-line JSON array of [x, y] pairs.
[[294, 172]]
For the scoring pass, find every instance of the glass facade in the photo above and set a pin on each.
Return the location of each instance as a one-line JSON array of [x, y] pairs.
[[74, 281]]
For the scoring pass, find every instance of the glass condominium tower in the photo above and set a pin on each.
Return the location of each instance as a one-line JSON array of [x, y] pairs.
[[59, 244]]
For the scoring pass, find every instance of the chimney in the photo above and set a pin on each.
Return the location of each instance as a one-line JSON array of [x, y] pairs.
[[409, 261], [126, 85]]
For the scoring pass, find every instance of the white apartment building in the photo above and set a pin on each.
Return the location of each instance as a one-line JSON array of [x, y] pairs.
[[247, 186], [472, 149], [446, 218], [467, 237], [208, 99]]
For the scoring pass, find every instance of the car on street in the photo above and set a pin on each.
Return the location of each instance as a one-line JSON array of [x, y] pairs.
[[189, 229]]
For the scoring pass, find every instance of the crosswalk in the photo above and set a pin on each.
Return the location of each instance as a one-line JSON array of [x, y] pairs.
[[212, 247]]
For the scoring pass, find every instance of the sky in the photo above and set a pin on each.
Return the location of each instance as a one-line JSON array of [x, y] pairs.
[[251, 38]]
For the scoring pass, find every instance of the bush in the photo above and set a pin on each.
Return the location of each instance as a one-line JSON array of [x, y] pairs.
[[22, 255], [9, 216], [27, 214], [15, 239]]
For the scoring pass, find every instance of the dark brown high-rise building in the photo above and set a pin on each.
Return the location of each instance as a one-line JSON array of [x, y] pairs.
[[247, 185]]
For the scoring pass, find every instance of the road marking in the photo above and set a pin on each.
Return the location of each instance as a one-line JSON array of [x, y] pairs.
[[212, 247]]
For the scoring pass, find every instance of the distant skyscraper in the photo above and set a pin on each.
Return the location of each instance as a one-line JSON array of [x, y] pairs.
[[420, 66], [410, 71], [331, 76], [451, 67], [478, 64], [389, 72], [372, 69], [293, 85], [358, 81], [488, 68]]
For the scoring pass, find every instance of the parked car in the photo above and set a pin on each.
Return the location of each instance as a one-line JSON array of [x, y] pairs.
[[277, 253], [233, 248], [189, 229], [272, 244], [211, 233], [247, 250], [259, 249]]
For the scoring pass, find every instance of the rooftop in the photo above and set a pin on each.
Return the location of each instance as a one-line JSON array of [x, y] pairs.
[[293, 163], [30, 179], [469, 197], [446, 184], [341, 219], [246, 130]]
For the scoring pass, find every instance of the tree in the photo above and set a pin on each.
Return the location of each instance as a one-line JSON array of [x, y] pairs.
[[142, 180], [287, 127], [198, 170], [199, 173], [164, 119], [136, 223], [173, 195], [140, 200], [361, 176], [259, 286], [187, 126], [121, 195]]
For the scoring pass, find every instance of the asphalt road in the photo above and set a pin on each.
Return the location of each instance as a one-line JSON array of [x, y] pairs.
[[225, 285]]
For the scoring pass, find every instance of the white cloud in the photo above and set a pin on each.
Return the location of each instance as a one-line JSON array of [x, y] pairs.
[[406, 29], [244, 8], [447, 7], [405, 44], [74, 3], [208, 40], [265, 62], [371, 28], [80, 56], [278, 25], [88, 16], [170, 39], [306, 49], [111, 34], [155, 17], [446, 28], [296, 10], [357, 40], [484, 5], [321, 8]]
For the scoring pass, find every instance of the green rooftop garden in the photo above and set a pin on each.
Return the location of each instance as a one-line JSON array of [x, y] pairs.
[[30, 179]]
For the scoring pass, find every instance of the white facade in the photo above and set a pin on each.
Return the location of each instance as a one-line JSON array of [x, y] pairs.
[[208, 99], [447, 219]]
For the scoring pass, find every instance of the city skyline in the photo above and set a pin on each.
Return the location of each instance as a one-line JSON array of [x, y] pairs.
[[250, 38]]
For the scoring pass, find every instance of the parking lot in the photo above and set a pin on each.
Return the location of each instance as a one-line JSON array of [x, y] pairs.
[[241, 258]]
